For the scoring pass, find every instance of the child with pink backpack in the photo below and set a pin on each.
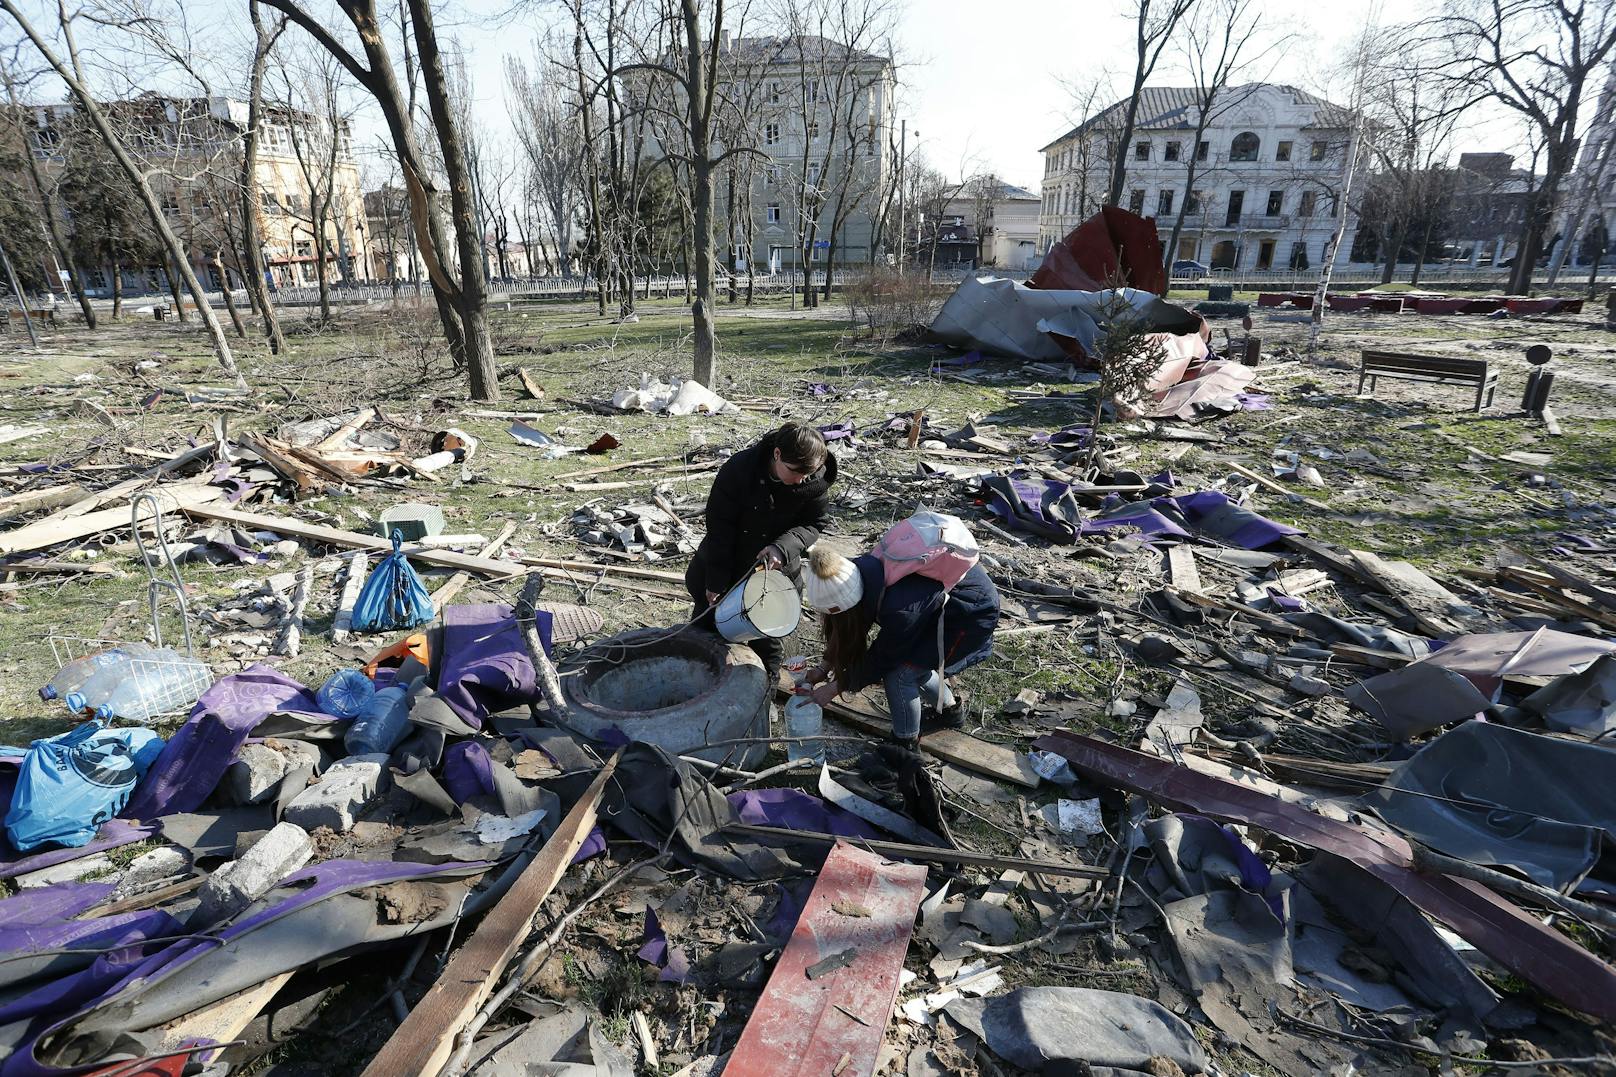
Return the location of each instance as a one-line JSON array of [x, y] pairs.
[[934, 610]]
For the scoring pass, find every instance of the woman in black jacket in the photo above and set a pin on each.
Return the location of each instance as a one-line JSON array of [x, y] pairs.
[[768, 504]]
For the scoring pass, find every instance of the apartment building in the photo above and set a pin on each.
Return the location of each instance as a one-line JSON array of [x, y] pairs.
[[193, 149], [1269, 172], [1005, 219]]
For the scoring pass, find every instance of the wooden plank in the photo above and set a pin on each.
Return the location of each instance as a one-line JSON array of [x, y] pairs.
[[1550, 422], [353, 540], [342, 621], [1370, 656], [610, 570], [1182, 570], [1427, 601], [820, 1016], [694, 472], [306, 479], [452, 587], [57, 529], [339, 437], [534, 389], [224, 1020], [52, 497], [961, 749], [924, 853], [423, 1043], [1270, 484], [624, 466], [1602, 596]]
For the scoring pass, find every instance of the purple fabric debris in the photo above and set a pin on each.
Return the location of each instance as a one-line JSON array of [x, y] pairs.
[[89, 934], [1165, 478], [486, 667], [1045, 507], [842, 431], [113, 834], [970, 358], [1286, 602], [196, 757], [1144, 516], [675, 964], [783, 921], [1254, 401], [59, 902], [818, 388], [593, 845], [468, 771], [1207, 511], [797, 810]]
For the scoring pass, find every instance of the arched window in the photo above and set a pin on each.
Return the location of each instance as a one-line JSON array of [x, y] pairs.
[[1244, 147]]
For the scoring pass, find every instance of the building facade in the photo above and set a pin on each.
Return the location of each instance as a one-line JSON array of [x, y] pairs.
[[1005, 219], [192, 149], [1266, 193], [821, 115], [1587, 213]]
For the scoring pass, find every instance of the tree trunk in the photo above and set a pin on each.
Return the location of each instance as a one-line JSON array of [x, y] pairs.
[[171, 274], [1425, 244], [1394, 249], [1326, 270], [472, 300], [1183, 209], [229, 300], [322, 275], [830, 264], [117, 288], [251, 239]]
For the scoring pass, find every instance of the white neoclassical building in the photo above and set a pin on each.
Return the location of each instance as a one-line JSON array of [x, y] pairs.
[[1268, 175]]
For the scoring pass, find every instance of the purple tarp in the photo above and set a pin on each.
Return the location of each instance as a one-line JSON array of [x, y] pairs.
[[114, 833], [795, 810], [486, 667], [673, 963], [197, 756], [468, 771]]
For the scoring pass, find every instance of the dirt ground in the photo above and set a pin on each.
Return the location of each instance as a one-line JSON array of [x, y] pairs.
[[1410, 473]]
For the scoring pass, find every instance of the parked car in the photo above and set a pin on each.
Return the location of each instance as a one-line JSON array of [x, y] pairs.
[[1186, 268]]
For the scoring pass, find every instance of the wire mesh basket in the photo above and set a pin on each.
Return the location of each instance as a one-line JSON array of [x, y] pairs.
[[153, 682]]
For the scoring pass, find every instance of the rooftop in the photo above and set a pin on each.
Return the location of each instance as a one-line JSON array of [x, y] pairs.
[[1173, 108]]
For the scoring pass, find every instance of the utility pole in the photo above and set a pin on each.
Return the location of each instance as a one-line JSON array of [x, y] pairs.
[[903, 157], [22, 300]]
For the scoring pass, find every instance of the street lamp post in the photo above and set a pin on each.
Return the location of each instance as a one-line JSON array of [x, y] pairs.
[[903, 215]]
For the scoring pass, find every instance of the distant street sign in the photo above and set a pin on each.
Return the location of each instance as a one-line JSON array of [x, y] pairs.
[[821, 244]]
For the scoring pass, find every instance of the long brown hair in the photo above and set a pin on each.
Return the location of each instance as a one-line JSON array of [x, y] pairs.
[[847, 638]]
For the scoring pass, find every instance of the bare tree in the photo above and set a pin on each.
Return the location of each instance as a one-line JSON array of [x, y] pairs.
[[1359, 70], [550, 137], [1096, 121], [462, 296], [317, 126], [72, 77], [44, 190], [1155, 22], [1221, 40], [1590, 178], [1535, 58]]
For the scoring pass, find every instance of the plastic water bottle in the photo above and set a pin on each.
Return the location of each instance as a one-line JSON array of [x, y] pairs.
[[77, 673], [155, 683], [346, 693], [804, 718], [382, 724]]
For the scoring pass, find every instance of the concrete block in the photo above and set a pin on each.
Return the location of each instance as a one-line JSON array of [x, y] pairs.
[[255, 774], [342, 791], [300, 753], [161, 863], [70, 872], [239, 883]]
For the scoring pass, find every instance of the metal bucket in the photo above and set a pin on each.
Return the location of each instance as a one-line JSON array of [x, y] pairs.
[[764, 604]]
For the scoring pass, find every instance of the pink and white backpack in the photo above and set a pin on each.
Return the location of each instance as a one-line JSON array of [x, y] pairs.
[[931, 544]]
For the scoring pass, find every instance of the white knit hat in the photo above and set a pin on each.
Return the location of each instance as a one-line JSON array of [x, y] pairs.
[[833, 582]]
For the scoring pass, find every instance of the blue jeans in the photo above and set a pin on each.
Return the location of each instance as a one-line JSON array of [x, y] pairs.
[[904, 686]]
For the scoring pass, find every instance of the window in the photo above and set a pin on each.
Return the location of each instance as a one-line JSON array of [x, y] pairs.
[[1276, 202], [46, 138], [774, 93], [1192, 205], [1141, 151], [1317, 150], [1305, 207], [1136, 201], [771, 175], [268, 202], [772, 213], [813, 130], [1164, 203], [813, 93], [98, 278], [874, 142], [1299, 255], [813, 173], [771, 134], [171, 202], [1202, 148], [1170, 151], [1244, 146], [274, 138], [1282, 152], [1237, 202]]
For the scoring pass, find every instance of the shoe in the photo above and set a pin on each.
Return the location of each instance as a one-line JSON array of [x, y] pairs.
[[953, 717]]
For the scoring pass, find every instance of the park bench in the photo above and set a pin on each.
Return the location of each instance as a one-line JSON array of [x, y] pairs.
[[1429, 368]]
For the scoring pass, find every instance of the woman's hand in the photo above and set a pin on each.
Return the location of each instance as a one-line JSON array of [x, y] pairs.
[[771, 557], [826, 693], [815, 674]]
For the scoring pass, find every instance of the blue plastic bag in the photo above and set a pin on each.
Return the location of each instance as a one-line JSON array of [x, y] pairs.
[[72, 783], [394, 597]]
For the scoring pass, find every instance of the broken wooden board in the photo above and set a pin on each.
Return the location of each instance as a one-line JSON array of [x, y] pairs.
[[1270, 484], [926, 854], [60, 528], [534, 389], [52, 497], [835, 1021], [949, 745], [453, 586], [339, 437], [424, 1042], [224, 1020], [1434, 608], [1602, 596], [1182, 570], [353, 540], [352, 584]]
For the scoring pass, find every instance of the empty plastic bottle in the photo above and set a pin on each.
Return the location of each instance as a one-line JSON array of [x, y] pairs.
[[382, 724], [76, 674], [804, 719], [155, 683], [346, 693]]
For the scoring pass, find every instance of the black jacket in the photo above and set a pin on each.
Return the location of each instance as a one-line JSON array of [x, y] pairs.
[[906, 613], [748, 509]]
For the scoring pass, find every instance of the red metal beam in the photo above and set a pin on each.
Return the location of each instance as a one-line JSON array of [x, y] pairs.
[[835, 1021]]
